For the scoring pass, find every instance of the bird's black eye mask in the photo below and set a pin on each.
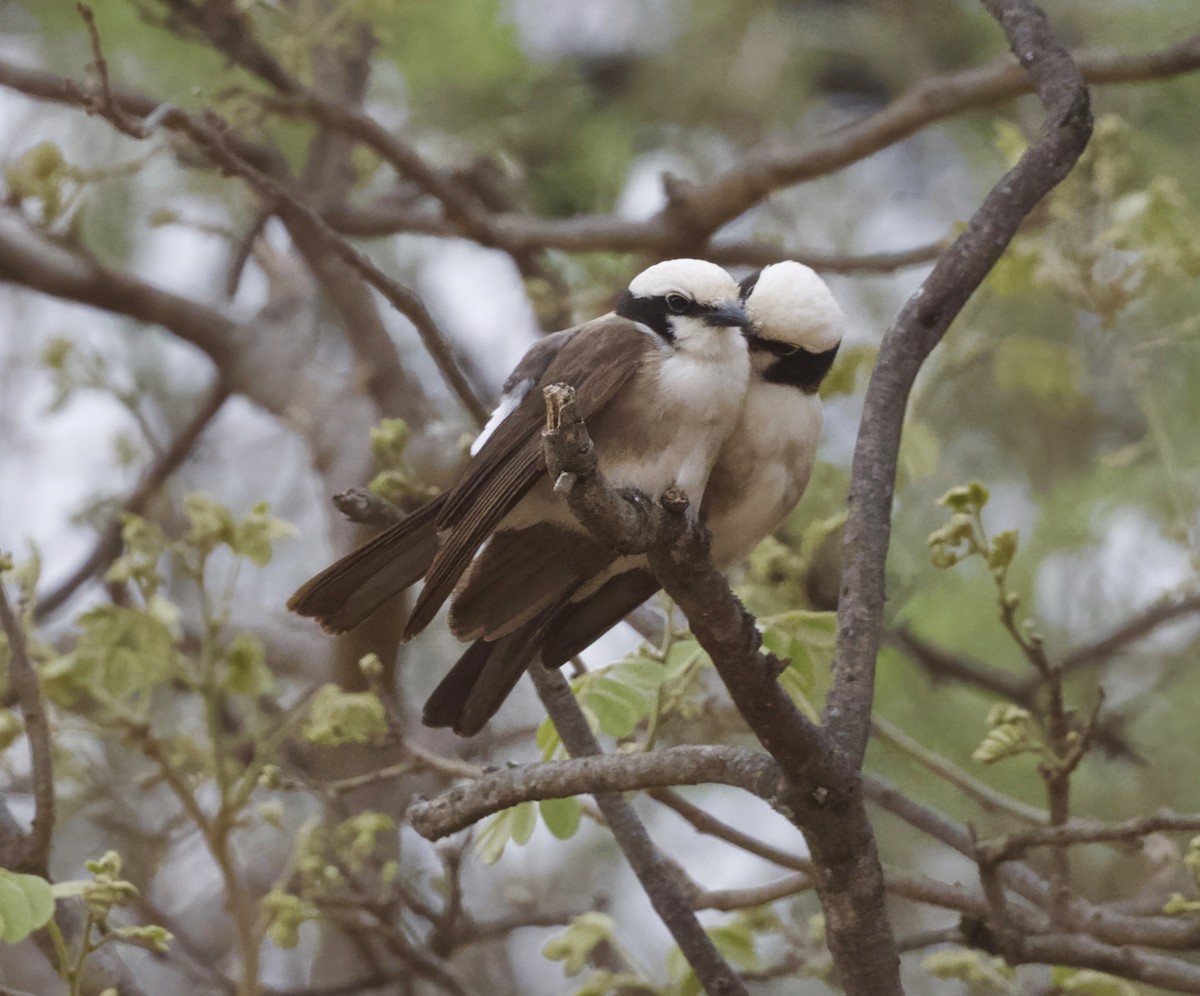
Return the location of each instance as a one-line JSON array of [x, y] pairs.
[[657, 312], [795, 365]]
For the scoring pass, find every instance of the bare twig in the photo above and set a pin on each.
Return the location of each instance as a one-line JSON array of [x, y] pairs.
[[705, 823], [37, 731], [363, 506], [656, 875], [210, 136], [108, 546], [1016, 845], [1091, 654], [944, 768]]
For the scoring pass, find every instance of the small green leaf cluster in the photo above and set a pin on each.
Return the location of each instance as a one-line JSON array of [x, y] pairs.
[[339, 717], [394, 479], [103, 893], [211, 525], [806, 640], [41, 173], [1178, 903], [1012, 731], [331, 865], [561, 817], [982, 974], [1104, 236]]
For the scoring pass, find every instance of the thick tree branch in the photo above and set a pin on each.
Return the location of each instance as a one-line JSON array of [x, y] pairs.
[[30, 259], [1117, 958], [820, 796], [463, 805], [917, 330], [707, 207]]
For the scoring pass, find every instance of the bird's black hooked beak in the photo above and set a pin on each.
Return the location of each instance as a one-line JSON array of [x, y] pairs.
[[731, 315]]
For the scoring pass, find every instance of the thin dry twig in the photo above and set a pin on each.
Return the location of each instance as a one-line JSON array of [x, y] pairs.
[[37, 731], [108, 546], [656, 875]]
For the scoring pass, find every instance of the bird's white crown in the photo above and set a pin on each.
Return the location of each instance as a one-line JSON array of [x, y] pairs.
[[704, 282], [794, 305]]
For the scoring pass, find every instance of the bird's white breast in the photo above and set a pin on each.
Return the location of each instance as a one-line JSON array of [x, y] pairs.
[[668, 425], [763, 469]]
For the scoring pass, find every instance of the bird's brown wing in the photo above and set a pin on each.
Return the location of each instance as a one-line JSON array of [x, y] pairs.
[[518, 574], [349, 590], [597, 361], [482, 679], [582, 622]]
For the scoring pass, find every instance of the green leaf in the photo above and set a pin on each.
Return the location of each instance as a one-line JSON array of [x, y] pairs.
[[561, 816], [920, 451], [120, 651], [1013, 732], [246, 671], [26, 905], [337, 717], [494, 837], [1087, 982], [151, 937], [254, 537], [806, 640], [966, 498], [575, 944], [1003, 549], [548, 740], [389, 439], [986, 975], [853, 365], [618, 708], [682, 656], [11, 728], [736, 942], [209, 522], [524, 822], [285, 913]]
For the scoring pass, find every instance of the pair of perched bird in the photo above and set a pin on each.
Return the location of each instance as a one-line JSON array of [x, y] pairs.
[[693, 382]]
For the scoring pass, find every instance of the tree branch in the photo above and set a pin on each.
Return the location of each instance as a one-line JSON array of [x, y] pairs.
[[1016, 845], [917, 330], [37, 731], [653, 871], [463, 805], [821, 796]]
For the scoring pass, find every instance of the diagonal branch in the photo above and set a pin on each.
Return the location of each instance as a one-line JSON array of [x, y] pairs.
[[657, 876], [37, 730], [108, 546], [917, 330]]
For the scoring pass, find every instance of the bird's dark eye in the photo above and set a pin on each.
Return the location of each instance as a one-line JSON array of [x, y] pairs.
[[677, 303]]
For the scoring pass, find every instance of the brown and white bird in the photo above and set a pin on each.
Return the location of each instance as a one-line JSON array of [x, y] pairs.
[[660, 382], [760, 474]]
